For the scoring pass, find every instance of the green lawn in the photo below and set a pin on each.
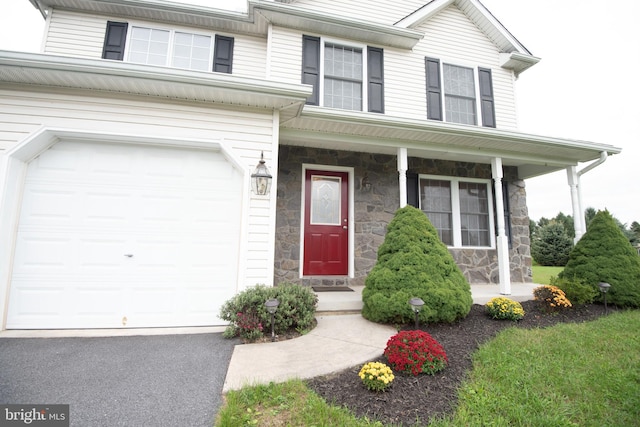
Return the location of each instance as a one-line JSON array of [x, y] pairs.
[[542, 274], [584, 374]]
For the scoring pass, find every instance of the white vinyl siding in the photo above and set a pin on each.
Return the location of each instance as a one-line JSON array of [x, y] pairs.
[[246, 133], [249, 56], [75, 34], [286, 55], [452, 38], [405, 84]]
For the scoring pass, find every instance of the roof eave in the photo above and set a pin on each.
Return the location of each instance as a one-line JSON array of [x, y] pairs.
[[336, 26], [118, 77], [533, 154]]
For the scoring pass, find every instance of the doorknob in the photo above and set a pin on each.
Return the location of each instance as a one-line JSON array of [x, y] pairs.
[[344, 227]]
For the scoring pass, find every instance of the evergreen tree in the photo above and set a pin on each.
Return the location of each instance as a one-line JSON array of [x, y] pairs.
[[413, 262], [604, 254], [552, 245]]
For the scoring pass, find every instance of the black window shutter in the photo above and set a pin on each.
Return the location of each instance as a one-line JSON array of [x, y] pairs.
[[506, 212], [434, 89], [311, 66], [486, 98], [114, 40], [413, 194], [223, 54], [375, 71]]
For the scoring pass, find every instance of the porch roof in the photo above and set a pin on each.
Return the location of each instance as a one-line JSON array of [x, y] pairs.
[[534, 155]]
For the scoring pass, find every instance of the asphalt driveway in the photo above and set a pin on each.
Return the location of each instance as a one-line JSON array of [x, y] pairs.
[[168, 380]]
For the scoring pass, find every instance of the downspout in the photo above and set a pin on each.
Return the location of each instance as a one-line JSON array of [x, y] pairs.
[[583, 223]]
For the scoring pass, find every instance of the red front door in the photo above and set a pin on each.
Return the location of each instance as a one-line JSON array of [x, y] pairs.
[[326, 223]]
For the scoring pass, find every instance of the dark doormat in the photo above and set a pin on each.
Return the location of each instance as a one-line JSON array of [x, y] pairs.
[[332, 289]]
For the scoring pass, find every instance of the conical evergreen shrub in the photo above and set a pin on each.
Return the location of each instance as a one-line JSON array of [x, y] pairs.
[[604, 254], [413, 262]]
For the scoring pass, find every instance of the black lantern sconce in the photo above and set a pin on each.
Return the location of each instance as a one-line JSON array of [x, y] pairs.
[[272, 306], [365, 184], [604, 288], [416, 305], [261, 178]]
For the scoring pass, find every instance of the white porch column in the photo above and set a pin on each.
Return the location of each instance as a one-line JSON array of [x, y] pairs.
[[502, 241], [402, 175], [578, 220]]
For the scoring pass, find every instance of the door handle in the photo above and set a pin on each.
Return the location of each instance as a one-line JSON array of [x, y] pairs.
[[128, 255], [344, 227]]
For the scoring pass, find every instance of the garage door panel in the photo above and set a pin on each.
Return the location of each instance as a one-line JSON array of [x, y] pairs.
[[87, 206]]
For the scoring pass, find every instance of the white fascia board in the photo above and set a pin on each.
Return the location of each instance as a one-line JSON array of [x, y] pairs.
[[452, 129], [21, 62], [334, 25]]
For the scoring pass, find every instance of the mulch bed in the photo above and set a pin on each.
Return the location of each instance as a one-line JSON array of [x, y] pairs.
[[418, 399]]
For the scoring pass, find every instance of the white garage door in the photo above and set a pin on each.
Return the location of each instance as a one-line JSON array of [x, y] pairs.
[[125, 236]]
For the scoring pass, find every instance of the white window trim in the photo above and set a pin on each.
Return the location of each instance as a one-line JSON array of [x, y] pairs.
[[172, 31], [476, 83], [455, 208], [365, 77]]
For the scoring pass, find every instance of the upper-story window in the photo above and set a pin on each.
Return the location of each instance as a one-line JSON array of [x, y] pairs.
[[171, 48], [456, 93], [460, 209], [339, 76]]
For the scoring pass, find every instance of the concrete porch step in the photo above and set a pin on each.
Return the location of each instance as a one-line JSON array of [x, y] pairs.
[[351, 302]]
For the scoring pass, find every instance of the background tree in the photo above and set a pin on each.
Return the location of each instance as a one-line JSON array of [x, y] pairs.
[[551, 245], [604, 254], [589, 214], [413, 262], [567, 223]]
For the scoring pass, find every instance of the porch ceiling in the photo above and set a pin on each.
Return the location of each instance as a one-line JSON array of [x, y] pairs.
[[534, 155]]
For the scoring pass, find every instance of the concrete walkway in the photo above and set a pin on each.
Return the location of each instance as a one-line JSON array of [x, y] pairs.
[[338, 342]]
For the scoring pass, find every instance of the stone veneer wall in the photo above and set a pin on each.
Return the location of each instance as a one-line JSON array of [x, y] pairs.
[[374, 209]]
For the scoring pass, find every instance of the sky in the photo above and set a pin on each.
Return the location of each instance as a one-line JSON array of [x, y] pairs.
[[586, 87]]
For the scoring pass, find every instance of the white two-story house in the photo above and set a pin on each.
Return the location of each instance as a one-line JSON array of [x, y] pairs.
[[129, 148]]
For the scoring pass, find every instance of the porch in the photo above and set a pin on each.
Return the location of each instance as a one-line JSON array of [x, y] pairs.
[[344, 302]]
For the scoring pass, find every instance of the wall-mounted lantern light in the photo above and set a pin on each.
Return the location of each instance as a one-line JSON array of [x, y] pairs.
[[365, 184], [261, 179]]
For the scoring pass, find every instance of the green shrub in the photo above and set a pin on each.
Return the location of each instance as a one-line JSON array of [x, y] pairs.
[[576, 290], [502, 308], [413, 262], [249, 319], [551, 298], [551, 245], [415, 352], [604, 254]]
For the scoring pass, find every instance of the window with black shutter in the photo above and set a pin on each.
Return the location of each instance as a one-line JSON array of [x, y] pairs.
[[223, 54], [114, 40], [311, 66], [486, 98], [375, 68], [339, 69], [434, 89]]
